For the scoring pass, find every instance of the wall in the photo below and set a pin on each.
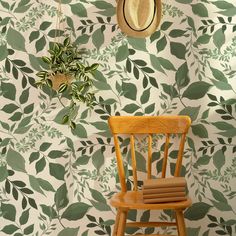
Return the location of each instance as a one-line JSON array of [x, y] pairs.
[[54, 182]]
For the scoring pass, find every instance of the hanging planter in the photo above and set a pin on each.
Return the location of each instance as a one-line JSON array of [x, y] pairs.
[[68, 76]]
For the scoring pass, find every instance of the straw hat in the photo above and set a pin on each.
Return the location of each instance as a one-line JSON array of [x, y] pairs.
[[138, 18]]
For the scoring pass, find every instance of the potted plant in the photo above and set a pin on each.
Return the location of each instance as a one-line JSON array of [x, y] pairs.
[[68, 76]]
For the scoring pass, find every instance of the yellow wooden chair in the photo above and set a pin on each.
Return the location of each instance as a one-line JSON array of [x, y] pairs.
[[128, 200]]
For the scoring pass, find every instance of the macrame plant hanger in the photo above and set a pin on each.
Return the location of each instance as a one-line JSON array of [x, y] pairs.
[[58, 79]]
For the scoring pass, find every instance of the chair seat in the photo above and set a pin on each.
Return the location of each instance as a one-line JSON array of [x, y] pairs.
[[134, 200]]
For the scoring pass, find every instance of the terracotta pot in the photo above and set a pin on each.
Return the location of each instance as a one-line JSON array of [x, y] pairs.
[[59, 79]]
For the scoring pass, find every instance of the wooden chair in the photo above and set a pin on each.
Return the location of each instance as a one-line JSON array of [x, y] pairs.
[[127, 200]]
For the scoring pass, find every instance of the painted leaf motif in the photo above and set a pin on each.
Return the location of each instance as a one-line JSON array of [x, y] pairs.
[[80, 131], [130, 91], [191, 111], [178, 50], [122, 53], [15, 160], [15, 39], [78, 9], [4, 52], [9, 229], [196, 90], [3, 173], [24, 217], [98, 159], [219, 38], [9, 90], [69, 231], [61, 197], [98, 38], [137, 43], [182, 76], [197, 211], [8, 211], [199, 9], [57, 170], [76, 211], [200, 130], [219, 159]]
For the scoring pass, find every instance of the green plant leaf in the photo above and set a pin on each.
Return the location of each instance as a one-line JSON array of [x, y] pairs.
[[44, 184], [131, 108], [15, 160], [55, 154], [98, 38], [219, 159], [9, 91], [191, 111], [29, 229], [10, 108], [178, 50], [24, 217], [49, 211], [228, 12], [197, 211], [15, 40], [45, 25], [204, 39], [80, 131], [61, 197], [69, 231], [97, 196], [218, 196], [8, 211], [34, 183], [200, 9], [24, 96], [196, 90], [130, 90], [182, 76], [3, 173], [122, 53], [223, 5], [9, 229], [219, 38], [75, 211], [98, 159], [138, 43], [40, 44], [200, 130], [4, 52], [78, 9], [57, 171]]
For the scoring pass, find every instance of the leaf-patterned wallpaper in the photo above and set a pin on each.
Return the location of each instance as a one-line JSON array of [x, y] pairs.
[[57, 182]]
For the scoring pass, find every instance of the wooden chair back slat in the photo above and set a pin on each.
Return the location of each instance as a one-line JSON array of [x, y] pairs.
[[149, 162], [134, 165], [120, 165], [164, 164], [180, 156]]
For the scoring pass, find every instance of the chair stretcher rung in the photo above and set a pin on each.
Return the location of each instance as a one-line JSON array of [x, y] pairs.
[[150, 224]]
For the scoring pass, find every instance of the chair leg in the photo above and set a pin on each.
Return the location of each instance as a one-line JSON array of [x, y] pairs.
[[115, 229], [180, 223], [122, 223]]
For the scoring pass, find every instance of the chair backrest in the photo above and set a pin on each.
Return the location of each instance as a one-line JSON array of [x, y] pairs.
[[149, 125]]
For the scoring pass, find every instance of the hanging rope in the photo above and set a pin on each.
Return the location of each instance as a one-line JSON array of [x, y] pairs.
[[58, 22]]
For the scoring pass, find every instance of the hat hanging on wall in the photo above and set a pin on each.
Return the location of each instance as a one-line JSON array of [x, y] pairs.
[[138, 18]]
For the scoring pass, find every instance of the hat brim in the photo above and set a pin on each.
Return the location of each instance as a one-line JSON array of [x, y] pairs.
[[141, 33]]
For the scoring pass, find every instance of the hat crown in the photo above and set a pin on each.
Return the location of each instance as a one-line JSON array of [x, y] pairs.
[[139, 14]]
